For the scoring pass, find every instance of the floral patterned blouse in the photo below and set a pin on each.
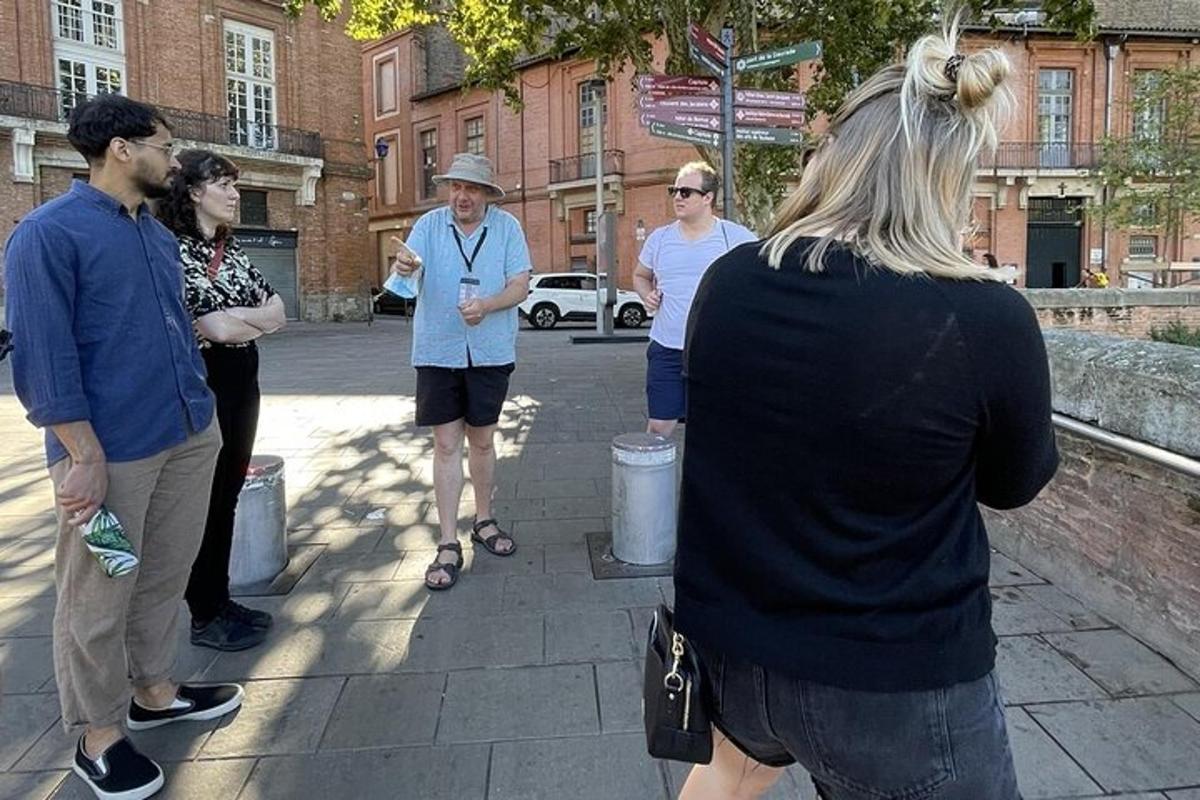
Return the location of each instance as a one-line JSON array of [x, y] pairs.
[[237, 282]]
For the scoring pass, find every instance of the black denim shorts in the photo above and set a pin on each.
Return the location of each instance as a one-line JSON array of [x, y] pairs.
[[475, 394], [943, 744]]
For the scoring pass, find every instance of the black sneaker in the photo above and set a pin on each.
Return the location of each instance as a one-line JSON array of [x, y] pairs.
[[119, 773], [226, 633], [191, 703], [259, 620]]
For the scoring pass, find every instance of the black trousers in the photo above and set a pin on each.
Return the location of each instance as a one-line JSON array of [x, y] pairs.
[[233, 378]]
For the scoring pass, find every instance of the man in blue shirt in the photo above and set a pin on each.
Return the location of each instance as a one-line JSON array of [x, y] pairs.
[[470, 264], [106, 362]]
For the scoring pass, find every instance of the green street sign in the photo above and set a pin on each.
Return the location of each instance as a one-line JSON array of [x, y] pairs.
[[685, 133], [805, 51], [768, 136]]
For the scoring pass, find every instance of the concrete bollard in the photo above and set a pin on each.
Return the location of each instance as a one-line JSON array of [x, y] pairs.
[[644, 498], [260, 524]]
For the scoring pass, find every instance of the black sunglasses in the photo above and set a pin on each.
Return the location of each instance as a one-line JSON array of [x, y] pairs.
[[684, 191]]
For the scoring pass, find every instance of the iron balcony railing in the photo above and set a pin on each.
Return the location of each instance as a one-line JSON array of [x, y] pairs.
[[1042, 155], [578, 168], [42, 102]]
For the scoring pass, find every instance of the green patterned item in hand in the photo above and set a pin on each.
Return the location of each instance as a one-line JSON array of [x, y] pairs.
[[105, 537]]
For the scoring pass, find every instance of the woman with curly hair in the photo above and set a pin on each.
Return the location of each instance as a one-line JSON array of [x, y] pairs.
[[232, 305]]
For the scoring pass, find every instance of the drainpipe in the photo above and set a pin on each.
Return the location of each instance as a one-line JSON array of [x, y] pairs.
[[1110, 53]]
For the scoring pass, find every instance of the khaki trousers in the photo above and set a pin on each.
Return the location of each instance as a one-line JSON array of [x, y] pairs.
[[110, 633]]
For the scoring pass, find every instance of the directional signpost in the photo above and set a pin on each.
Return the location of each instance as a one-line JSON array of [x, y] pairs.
[[710, 111], [784, 56]]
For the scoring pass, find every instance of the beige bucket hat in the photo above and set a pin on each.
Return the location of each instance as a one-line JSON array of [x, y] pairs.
[[470, 168]]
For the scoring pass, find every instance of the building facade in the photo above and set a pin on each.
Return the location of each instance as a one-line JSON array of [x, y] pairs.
[[1032, 197], [281, 97], [1036, 197]]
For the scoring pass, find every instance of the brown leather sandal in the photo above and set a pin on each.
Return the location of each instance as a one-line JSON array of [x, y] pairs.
[[451, 569]]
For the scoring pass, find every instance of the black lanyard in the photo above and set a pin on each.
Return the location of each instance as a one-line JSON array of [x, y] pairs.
[[470, 262]]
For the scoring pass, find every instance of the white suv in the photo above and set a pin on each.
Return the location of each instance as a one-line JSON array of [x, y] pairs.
[[555, 296]]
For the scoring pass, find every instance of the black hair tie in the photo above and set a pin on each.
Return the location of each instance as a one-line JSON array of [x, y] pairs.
[[952, 64]]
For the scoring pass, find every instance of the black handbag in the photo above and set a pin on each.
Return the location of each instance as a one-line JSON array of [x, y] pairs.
[[673, 696]]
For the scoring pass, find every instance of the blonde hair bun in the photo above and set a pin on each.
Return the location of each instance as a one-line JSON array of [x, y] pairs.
[[936, 70]]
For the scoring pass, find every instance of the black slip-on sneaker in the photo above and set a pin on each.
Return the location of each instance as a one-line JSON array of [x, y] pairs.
[[191, 703], [227, 634], [259, 620], [119, 773]]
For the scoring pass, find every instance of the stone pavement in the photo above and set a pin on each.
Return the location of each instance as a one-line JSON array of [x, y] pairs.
[[523, 682]]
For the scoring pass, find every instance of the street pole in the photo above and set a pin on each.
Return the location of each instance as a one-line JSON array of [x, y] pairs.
[[604, 244], [727, 118]]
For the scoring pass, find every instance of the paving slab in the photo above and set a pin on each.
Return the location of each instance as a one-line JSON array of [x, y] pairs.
[[1044, 770], [567, 557], [409, 773], [619, 684], [1189, 703], [572, 591], [1015, 612], [185, 780], [1006, 572], [1068, 608], [278, 717], [528, 560], [581, 768], [25, 664], [410, 599], [588, 636], [439, 645], [523, 703], [27, 616], [1136, 744], [386, 711], [1032, 671], [30, 785], [300, 651], [23, 720], [1121, 664]]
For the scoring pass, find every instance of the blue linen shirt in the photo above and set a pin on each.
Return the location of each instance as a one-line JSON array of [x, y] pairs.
[[440, 336], [100, 332]]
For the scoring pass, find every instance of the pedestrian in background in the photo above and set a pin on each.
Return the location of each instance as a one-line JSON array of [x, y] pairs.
[[232, 306], [855, 388], [671, 264]]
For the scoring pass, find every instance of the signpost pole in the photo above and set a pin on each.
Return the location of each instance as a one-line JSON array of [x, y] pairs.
[[727, 118], [604, 244]]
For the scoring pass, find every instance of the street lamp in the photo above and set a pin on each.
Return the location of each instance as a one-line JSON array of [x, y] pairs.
[[381, 148]]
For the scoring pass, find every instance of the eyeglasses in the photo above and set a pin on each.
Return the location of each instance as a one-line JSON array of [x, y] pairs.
[[167, 148], [684, 191]]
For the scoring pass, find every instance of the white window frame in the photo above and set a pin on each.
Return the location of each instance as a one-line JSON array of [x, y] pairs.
[[99, 62], [392, 55], [251, 124], [1143, 256], [469, 139]]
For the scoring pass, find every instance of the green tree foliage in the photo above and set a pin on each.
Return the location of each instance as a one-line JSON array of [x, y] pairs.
[[1152, 175], [859, 36]]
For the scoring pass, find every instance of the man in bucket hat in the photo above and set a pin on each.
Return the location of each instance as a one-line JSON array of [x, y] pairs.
[[469, 263]]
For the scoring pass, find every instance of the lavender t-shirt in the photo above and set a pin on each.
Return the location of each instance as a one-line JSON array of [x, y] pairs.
[[678, 265]]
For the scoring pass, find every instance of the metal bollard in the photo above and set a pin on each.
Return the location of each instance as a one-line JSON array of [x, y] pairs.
[[260, 524], [644, 499]]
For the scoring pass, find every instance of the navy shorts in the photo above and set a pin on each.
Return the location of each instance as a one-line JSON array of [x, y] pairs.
[[666, 391], [942, 744], [475, 394]]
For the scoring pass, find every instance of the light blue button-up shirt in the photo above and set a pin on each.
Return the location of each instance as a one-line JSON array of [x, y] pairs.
[[440, 336]]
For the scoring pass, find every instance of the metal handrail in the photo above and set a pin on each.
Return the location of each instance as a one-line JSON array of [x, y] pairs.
[[582, 167], [1149, 452]]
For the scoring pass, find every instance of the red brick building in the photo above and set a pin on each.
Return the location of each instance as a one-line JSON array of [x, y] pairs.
[[1031, 199], [280, 97]]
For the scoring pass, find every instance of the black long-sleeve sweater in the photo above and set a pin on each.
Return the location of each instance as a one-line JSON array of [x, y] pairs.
[[842, 427]]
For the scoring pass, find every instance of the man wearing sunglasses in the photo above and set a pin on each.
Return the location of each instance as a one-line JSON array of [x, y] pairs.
[[669, 269]]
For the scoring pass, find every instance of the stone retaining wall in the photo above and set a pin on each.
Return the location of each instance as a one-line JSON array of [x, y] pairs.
[[1126, 312]]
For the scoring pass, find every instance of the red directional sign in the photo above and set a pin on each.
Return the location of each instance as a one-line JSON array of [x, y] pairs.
[[769, 116], [710, 121], [700, 104], [707, 44], [666, 85], [764, 99]]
